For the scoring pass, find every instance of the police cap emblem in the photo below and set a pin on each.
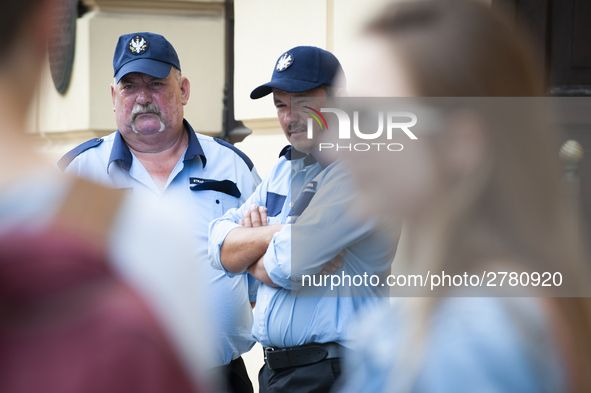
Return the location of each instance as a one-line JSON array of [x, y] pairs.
[[284, 62], [138, 45]]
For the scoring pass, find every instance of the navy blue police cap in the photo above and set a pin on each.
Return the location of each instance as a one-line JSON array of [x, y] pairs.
[[147, 53], [300, 69]]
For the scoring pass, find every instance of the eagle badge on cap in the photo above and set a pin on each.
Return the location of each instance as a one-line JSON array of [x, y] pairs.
[[284, 62], [138, 45]]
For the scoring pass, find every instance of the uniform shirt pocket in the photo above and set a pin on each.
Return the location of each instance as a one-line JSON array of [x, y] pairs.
[[225, 195], [274, 203]]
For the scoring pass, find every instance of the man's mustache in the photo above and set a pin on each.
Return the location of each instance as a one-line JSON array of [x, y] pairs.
[[296, 127], [149, 108]]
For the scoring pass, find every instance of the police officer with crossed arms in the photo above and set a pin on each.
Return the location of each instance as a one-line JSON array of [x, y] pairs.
[[297, 223]]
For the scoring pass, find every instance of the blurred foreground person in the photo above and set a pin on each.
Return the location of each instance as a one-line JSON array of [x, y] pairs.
[[68, 324], [473, 200]]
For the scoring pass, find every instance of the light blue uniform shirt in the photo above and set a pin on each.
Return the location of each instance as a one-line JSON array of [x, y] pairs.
[[322, 229], [209, 179]]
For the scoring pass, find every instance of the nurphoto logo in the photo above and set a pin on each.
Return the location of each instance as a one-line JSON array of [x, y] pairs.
[[395, 122]]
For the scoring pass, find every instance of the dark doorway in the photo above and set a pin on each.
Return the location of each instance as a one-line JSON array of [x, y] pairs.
[[561, 31]]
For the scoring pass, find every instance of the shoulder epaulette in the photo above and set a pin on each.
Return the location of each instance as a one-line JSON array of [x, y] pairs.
[[63, 163], [237, 151]]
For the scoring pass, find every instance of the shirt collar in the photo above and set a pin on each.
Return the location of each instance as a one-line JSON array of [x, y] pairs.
[[120, 151], [291, 153], [194, 148]]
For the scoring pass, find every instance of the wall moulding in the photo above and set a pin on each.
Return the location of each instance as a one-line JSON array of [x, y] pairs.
[[160, 6]]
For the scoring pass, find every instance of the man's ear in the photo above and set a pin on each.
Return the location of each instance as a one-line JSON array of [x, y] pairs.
[[113, 93], [185, 90]]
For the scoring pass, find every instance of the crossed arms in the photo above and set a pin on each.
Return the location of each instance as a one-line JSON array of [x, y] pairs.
[[245, 246]]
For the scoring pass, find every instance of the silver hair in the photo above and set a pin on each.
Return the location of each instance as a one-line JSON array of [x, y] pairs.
[[178, 74]]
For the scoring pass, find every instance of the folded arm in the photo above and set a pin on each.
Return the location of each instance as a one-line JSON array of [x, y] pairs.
[[257, 270], [245, 245]]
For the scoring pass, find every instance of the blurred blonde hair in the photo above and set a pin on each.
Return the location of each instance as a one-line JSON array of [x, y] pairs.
[[513, 208]]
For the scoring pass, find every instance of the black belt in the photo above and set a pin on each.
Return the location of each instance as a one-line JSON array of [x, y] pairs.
[[302, 355]]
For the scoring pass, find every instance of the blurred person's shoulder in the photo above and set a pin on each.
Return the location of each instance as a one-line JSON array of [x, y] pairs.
[[60, 259], [376, 330], [375, 348], [465, 344], [148, 245], [502, 342], [31, 201]]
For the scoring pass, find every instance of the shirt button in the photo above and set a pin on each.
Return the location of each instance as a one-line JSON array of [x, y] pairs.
[[217, 201], [265, 297], [290, 204]]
